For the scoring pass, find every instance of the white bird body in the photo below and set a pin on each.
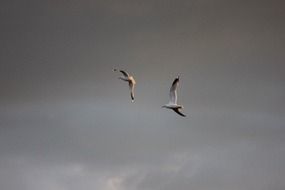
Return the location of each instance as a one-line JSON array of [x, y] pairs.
[[173, 98], [173, 106], [130, 79]]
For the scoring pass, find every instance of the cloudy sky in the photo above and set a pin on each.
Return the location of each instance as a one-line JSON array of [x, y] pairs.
[[67, 123]]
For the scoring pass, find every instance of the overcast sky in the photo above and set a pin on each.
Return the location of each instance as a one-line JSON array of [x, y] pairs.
[[67, 122]]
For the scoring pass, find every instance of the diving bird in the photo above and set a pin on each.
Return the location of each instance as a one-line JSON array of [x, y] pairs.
[[130, 79], [173, 98]]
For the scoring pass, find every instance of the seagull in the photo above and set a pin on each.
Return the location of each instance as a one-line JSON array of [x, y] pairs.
[[173, 98], [130, 79]]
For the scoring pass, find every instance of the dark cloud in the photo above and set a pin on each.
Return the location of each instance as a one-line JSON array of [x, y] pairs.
[[66, 122]]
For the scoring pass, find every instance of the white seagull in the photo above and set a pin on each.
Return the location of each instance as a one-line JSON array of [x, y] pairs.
[[173, 98], [130, 79]]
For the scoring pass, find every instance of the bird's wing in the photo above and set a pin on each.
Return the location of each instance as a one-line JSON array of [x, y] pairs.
[[173, 91], [132, 90], [125, 73], [178, 111]]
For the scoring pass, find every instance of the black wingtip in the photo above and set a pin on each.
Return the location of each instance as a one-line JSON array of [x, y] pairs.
[[132, 97], [178, 112], [175, 80]]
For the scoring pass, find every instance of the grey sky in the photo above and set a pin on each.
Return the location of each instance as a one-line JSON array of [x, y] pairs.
[[67, 123]]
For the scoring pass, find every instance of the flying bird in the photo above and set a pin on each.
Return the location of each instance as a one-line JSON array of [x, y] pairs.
[[130, 79], [173, 98]]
